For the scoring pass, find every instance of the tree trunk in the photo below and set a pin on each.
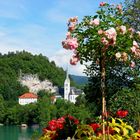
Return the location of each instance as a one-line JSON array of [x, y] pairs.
[[103, 74]]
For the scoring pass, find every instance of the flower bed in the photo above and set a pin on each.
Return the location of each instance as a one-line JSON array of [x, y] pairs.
[[68, 127]]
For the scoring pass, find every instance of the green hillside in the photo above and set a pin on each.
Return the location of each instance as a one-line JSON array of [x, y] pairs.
[[79, 80], [12, 63]]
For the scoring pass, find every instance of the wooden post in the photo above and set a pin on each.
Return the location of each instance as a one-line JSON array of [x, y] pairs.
[[103, 74]]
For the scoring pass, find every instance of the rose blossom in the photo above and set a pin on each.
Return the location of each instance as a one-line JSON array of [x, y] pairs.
[[100, 32], [73, 19], [131, 30], [132, 64], [135, 44], [104, 41], [118, 55], [123, 29], [133, 49], [119, 7], [111, 33], [70, 43], [74, 60], [124, 56], [72, 23], [95, 22], [102, 4]]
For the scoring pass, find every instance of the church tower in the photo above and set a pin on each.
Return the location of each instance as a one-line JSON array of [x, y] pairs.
[[67, 87]]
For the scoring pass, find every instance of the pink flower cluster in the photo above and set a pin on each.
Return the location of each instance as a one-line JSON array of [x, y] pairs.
[[121, 56], [95, 22], [110, 36], [135, 49], [70, 43], [72, 23]]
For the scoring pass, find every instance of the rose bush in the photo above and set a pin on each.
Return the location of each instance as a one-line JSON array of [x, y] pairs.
[[106, 42]]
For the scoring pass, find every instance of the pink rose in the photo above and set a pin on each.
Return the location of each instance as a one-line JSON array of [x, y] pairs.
[[135, 44], [74, 60], [132, 64], [73, 19], [123, 29], [133, 49], [104, 41], [72, 23], [100, 32], [95, 22], [131, 30], [102, 4], [111, 33], [119, 7], [70, 43]]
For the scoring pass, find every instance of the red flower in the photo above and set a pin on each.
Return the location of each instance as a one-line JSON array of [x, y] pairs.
[[76, 121], [122, 113], [138, 131], [95, 126], [109, 130], [70, 117]]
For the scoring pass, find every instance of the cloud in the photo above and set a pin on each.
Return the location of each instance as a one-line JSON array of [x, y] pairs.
[[62, 58]]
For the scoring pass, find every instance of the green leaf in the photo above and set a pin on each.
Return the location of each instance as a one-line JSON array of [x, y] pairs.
[[116, 129]]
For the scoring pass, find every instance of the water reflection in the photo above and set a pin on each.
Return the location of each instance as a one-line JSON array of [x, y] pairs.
[[18, 133]]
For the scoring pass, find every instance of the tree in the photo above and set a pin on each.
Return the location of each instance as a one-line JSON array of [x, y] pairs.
[[127, 99], [2, 109], [103, 40], [132, 11]]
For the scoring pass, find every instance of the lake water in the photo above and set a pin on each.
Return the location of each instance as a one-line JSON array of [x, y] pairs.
[[19, 133]]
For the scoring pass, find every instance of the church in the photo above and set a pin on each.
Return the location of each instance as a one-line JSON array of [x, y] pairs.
[[67, 92], [34, 84]]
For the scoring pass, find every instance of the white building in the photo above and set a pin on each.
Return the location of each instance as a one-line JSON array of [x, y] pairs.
[[27, 98], [67, 87], [70, 93]]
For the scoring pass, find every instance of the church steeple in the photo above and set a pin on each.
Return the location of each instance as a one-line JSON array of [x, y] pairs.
[[67, 86]]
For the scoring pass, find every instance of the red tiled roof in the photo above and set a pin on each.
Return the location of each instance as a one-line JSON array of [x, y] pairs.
[[28, 95]]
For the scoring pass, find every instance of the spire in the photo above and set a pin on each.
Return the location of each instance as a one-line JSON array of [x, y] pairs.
[[67, 85], [67, 73]]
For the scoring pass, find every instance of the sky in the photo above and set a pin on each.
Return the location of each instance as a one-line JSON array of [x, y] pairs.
[[39, 26]]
